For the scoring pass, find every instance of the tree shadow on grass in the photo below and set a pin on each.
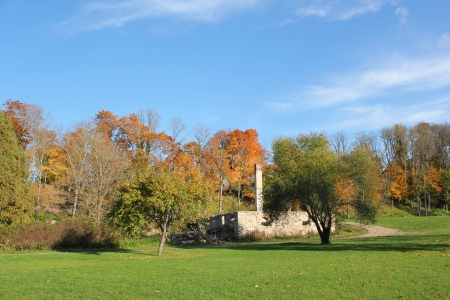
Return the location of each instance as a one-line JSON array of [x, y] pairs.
[[86, 243], [388, 243], [93, 251]]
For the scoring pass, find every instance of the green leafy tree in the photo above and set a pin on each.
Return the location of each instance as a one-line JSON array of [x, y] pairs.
[[308, 175], [162, 198], [444, 183], [15, 203]]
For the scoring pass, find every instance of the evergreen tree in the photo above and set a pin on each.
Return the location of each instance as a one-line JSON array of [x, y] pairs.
[[15, 202]]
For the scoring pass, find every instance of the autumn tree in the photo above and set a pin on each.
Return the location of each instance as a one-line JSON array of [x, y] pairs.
[[340, 142], [15, 110], [15, 202], [95, 168], [107, 170], [177, 127], [163, 197], [244, 151], [444, 197], [441, 145], [395, 160], [151, 118], [309, 175], [397, 185], [108, 123], [218, 162], [201, 135], [75, 146], [421, 154], [141, 143]]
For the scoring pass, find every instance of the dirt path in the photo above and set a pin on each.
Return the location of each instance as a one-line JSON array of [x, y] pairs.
[[374, 230]]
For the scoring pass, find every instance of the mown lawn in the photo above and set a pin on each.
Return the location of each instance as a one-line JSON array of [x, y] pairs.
[[410, 266]]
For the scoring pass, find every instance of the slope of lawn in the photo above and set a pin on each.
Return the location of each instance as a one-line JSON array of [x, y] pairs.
[[408, 266]]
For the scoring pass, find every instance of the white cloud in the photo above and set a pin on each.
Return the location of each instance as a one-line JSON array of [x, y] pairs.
[[96, 15], [281, 106], [444, 41], [341, 9], [375, 117], [400, 77], [402, 13], [404, 91]]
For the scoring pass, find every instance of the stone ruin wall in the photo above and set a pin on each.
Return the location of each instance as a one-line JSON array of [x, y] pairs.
[[247, 223]]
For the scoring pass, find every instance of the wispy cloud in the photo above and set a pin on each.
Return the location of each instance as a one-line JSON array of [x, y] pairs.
[[404, 91], [444, 41], [402, 13], [280, 106], [96, 15], [341, 9], [374, 117], [400, 77]]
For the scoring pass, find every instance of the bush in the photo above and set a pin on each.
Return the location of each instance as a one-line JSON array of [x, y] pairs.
[[441, 212], [387, 211], [62, 235]]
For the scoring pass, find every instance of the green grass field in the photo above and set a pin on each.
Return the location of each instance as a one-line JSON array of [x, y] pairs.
[[415, 265]]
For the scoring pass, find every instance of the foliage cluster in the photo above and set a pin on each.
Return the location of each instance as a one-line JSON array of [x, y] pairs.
[[308, 175], [416, 165], [14, 190], [163, 197]]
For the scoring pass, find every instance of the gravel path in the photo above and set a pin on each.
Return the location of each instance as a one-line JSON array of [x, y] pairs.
[[374, 230]]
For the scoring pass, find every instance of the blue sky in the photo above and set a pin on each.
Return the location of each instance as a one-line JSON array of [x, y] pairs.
[[282, 67]]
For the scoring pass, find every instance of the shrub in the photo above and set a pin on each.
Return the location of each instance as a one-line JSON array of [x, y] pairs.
[[387, 211], [62, 235], [441, 212]]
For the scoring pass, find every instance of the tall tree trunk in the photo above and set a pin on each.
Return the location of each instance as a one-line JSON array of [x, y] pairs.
[[325, 234], [99, 207], [163, 236], [220, 194], [323, 230], [419, 205], [239, 187], [75, 204], [38, 200], [348, 203], [429, 203]]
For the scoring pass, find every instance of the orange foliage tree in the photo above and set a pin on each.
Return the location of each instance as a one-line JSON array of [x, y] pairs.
[[218, 162], [244, 152]]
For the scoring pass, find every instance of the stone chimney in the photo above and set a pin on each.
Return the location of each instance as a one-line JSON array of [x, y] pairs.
[[258, 188]]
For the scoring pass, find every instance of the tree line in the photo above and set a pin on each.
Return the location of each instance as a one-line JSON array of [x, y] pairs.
[[414, 163], [115, 168], [96, 160]]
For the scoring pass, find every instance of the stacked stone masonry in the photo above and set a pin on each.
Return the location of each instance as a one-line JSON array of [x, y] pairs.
[[247, 223]]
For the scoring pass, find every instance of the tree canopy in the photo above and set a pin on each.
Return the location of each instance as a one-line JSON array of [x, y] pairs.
[[162, 198], [15, 204], [309, 176]]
